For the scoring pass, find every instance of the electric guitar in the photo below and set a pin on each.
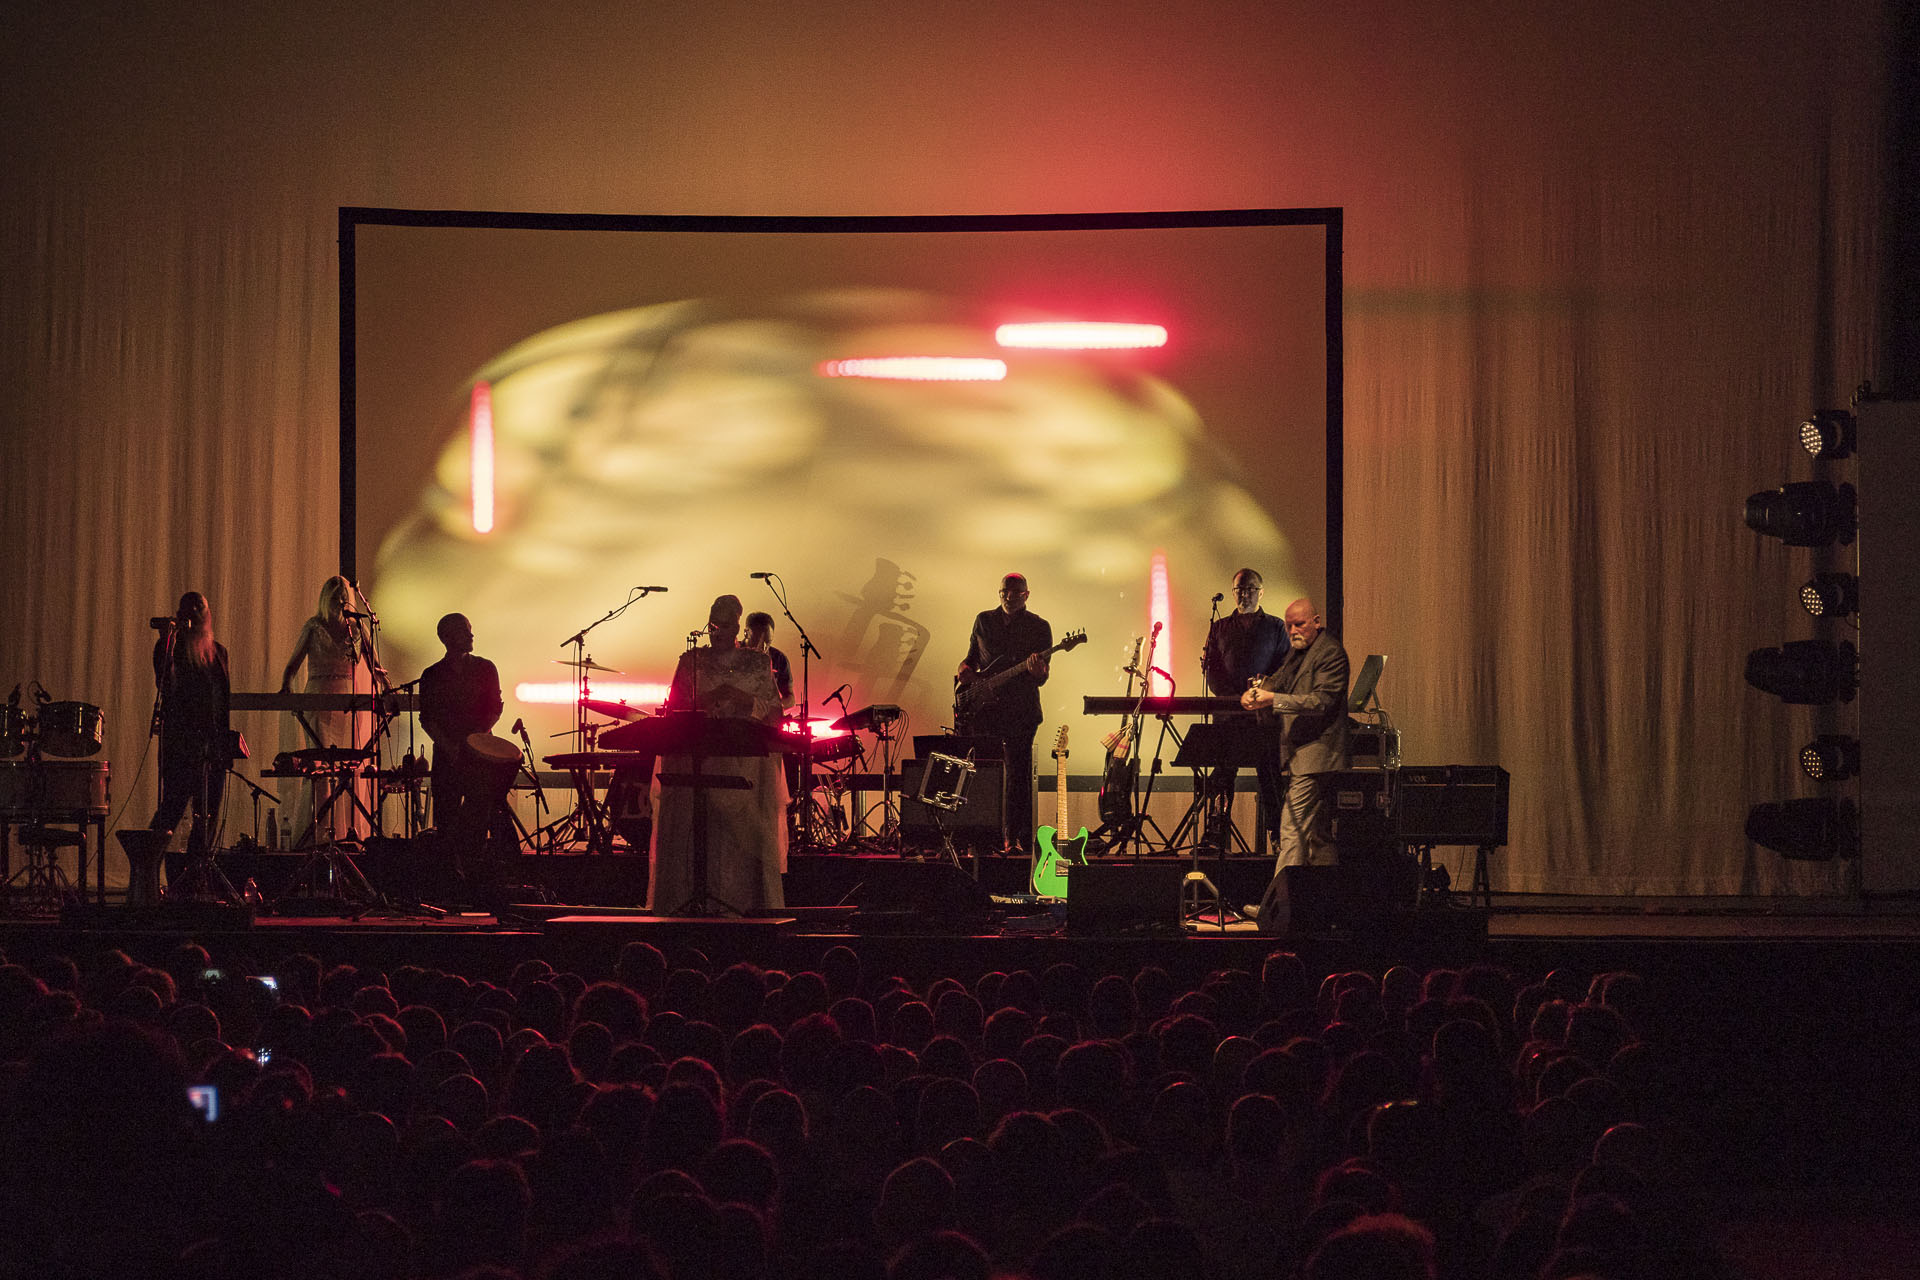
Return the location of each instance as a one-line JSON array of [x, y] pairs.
[[970, 701], [1052, 861]]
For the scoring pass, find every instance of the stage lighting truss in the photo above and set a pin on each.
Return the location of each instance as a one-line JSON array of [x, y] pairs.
[[1806, 672], [1828, 435], [1831, 595], [1831, 757], [1807, 513], [1818, 829]]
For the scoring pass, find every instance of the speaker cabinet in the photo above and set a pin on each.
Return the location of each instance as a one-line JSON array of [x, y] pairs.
[[1453, 804], [981, 822], [1110, 896]]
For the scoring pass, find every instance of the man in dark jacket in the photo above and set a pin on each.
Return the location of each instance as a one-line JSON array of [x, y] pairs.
[[1308, 693]]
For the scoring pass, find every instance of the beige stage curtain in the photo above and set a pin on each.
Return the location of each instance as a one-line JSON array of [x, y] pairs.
[[1598, 259]]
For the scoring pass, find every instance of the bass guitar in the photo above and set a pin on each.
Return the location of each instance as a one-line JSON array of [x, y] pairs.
[[971, 701], [1055, 852]]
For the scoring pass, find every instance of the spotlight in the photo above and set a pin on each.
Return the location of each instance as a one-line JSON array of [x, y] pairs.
[[1808, 513], [1831, 757], [1829, 434], [1813, 830], [1806, 672], [1831, 595]]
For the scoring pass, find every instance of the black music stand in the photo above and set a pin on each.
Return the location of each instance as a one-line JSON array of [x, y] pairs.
[[1238, 742], [700, 737]]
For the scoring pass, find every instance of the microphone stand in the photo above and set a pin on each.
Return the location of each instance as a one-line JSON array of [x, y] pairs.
[[807, 653], [580, 659]]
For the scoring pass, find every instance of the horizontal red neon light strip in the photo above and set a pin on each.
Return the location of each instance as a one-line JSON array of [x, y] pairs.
[[1080, 335], [918, 368], [644, 697]]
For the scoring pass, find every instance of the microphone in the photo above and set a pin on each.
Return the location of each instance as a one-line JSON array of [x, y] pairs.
[[649, 588], [840, 693], [759, 575], [1218, 596], [349, 613], [520, 727], [1156, 629], [163, 624]]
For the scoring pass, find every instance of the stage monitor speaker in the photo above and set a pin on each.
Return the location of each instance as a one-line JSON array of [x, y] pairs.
[[981, 821], [1358, 892], [907, 897], [1453, 804], [1111, 896]]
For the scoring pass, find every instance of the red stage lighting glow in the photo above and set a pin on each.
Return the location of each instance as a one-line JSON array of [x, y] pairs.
[[481, 457], [918, 368], [1160, 606], [645, 697], [1080, 335]]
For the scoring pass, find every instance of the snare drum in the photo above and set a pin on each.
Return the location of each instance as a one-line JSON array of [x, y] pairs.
[[71, 728], [13, 730], [31, 787]]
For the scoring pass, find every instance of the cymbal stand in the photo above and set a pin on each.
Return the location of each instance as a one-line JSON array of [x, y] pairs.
[[581, 823], [808, 653]]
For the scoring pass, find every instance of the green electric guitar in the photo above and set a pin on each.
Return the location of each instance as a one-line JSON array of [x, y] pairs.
[[1052, 861]]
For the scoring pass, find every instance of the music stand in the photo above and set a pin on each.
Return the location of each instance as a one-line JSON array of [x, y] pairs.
[[700, 737], [1237, 742]]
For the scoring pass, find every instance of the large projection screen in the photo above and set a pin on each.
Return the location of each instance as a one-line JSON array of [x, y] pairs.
[[542, 412]]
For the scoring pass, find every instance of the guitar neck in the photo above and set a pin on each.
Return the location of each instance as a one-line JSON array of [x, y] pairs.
[[1060, 792]]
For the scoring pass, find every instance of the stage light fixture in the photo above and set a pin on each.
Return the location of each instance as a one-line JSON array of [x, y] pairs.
[[1831, 757], [1831, 595], [1829, 434], [1806, 672], [1808, 513], [1818, 829]]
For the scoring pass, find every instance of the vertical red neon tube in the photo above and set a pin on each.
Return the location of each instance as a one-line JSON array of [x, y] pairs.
[[1162, 617], [480, 455]]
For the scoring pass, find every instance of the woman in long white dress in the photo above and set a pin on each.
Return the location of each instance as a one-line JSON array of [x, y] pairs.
[[746, 830], [329, 646]]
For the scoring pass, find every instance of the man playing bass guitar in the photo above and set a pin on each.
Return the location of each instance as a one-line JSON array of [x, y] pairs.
[[1005, 638]]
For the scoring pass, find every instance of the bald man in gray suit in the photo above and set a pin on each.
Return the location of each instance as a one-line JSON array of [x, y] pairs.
[[1308, 692]]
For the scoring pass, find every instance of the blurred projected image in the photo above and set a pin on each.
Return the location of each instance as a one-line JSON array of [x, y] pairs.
[[886, 452]]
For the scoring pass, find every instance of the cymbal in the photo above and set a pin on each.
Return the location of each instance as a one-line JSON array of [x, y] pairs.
[[618, 710], [586, 664], [863, 720]]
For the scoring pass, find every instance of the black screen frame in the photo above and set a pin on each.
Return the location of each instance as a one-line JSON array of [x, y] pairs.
[[1329, 219]]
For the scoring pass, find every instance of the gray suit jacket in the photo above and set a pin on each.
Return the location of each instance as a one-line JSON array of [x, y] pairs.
[[1310, 698]]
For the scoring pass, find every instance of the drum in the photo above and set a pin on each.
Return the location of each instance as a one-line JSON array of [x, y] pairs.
[[31, 787], [494, 758], [71, 728], [13, 730]]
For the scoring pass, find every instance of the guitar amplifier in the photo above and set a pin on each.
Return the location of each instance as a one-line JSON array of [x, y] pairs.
[[1453, 804]]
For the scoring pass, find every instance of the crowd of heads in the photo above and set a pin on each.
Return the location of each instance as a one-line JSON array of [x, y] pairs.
[[682, 1120]]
